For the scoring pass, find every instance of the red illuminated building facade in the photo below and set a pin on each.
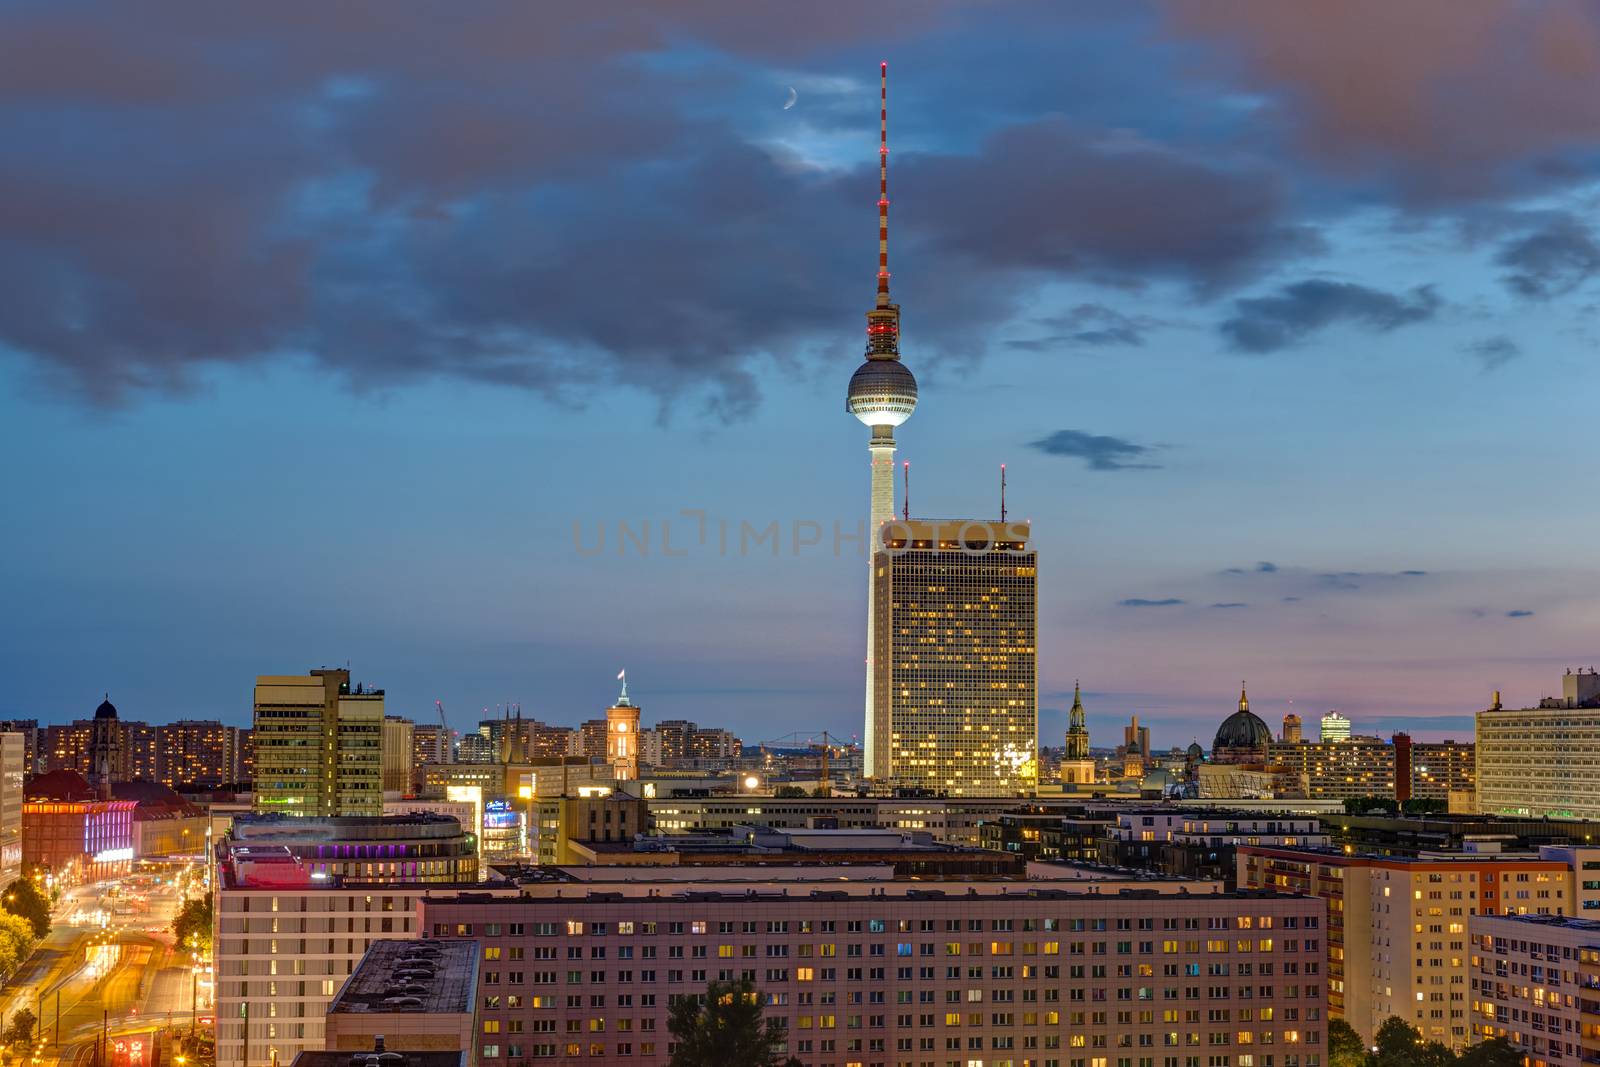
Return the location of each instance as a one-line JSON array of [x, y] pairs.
[[69, 830]]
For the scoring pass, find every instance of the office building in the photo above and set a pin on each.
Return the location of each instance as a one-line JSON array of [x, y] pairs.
[[285, 943], [398, 753], [622, 737], [1335, 727], [1541, 761], [196, 754], [380, 1053], [874, 972], [1291, 734], [565, 826], [74, 830], [1532, 979], [1136, 736], [474, 748], [956, 676], [413, 994], [33, 743], [1397, 925], [318, 745]]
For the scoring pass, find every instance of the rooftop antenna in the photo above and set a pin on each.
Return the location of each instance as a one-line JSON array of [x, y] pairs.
[[905, 513], [883, 187], [1002, 492]]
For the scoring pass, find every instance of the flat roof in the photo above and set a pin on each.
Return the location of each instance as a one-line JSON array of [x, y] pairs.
[[989, 891], [329, 1058], [432, 976]]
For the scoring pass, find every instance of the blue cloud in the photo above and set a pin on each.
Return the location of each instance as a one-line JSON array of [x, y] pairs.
[[1099, 452], [1519, 613], [1141, 602], [1231, 604]]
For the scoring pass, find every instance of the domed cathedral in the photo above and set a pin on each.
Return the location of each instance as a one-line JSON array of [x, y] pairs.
[[1242, 737]]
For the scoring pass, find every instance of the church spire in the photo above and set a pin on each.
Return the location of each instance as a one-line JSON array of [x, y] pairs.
[[1244, 698]]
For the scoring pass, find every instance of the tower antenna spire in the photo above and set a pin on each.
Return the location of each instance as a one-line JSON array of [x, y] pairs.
[[1002, 492], [905, 513], [883, 185]]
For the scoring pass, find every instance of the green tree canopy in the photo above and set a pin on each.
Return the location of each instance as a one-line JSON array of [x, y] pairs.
[[19, 1031], [24, 898], [1344, 1046], [726, 1030], [193, 924]]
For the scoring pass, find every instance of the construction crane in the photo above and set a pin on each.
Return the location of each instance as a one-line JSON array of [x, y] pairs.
[[809, 741], [445, 755]]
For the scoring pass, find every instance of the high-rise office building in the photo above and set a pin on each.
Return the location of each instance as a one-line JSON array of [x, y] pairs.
[[1291, 734], [1135, 735], [397, 753], [955, 669], [882, 395], [196, 753], [318, 745], [1335, 727]]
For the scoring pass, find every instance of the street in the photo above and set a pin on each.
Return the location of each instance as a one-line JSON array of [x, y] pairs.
[[108, 966]]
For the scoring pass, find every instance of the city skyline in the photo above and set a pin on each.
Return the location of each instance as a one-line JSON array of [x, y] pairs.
[[1291, 383]]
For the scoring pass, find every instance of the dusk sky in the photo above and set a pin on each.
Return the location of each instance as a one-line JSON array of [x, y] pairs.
[[338, 332]]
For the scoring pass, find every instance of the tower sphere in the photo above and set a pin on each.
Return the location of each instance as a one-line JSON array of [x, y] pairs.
[[883, 392]]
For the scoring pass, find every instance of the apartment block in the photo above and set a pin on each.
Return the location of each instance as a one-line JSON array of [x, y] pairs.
[[1535, 980], [196, 753], [1397, 938], [898, 974]]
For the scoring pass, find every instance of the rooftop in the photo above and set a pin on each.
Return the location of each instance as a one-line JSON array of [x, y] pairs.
[[1011, 891], [380, 1056], [1565, 922], [428, 976]]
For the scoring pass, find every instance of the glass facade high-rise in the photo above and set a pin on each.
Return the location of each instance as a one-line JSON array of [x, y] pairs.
[[955, 666]]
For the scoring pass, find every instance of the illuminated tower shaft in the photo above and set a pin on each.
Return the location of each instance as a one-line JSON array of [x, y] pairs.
[[882, 394]]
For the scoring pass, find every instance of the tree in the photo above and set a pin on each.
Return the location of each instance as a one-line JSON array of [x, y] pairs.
[[1400, 1045], [16, 941], [1497, 1052], [20, 1030], [23, 898], [1344, 1045], [726, 1030], [192, 926], [788, 792]]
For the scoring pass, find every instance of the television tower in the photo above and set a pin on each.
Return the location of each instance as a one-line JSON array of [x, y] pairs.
[[882, 393]]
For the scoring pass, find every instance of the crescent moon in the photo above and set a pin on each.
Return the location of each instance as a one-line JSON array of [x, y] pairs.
[[793, 96]]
